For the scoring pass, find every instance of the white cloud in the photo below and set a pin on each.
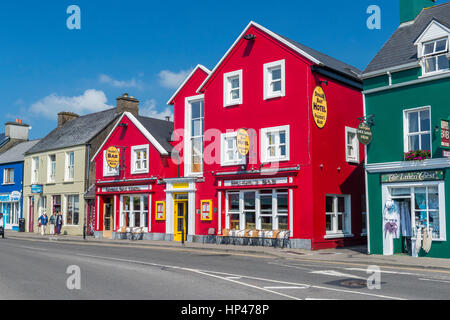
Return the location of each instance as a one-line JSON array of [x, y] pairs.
[[90, 101], [133, 83], [172, 80], [150, 109]]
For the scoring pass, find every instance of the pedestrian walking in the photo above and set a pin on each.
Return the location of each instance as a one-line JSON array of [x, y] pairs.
[[59, 223], [43, 221], [52, 222]]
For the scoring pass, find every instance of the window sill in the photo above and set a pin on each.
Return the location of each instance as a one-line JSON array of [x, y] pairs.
[[8, 184], [274, 160], [230, 164], [432, 74], [140, 172], [232, 104], [274, 96], [338, 235], [351, 161]]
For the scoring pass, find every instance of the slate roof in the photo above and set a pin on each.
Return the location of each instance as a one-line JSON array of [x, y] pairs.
[[161, 130], [17, 153], [328, 61], [400, 48], [3, 139], [76, 132]]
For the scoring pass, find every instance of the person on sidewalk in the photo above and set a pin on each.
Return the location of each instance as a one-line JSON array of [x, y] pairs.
[[52, 222], [43, 221], [59, 223]]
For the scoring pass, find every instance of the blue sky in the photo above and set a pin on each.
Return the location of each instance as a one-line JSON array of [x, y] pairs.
[[146, 47]]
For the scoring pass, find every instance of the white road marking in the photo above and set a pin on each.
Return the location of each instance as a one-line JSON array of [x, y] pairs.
[[334, 273], [286, 288], [385, 271], [32, 248], [434, 280], [205, 272]]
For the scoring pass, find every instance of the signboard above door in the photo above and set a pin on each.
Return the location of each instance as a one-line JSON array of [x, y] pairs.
[[416, 176]]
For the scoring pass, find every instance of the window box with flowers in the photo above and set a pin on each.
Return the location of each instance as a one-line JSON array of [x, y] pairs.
[[417, 155]]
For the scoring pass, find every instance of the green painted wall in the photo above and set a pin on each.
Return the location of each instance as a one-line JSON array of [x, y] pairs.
[[388, 106], [406, 75], [376, 82], [409, 9]]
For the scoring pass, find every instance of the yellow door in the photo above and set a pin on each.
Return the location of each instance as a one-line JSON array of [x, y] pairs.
[[179, 215], [107, 221]]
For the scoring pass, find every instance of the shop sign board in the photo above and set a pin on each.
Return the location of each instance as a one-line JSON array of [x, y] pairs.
[[255, 182], [446, 153], [445, 141], [416, 176], [125, 188], [37, 188], [15, 196], [364, 133], [243, 142], [319, 107], [112, 157]]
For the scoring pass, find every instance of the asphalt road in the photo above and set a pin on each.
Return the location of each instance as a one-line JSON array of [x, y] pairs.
[[34, 269]]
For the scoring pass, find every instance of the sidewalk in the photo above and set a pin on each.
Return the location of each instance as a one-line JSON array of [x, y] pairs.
[[350, 255]]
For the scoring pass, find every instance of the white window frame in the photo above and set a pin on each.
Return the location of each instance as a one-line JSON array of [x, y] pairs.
[[265, 158], [406, 133], [51, 178], [10, 175], [142, 212], [34, 169], [347, 217], [354, 145], [274, 214], [227, 77], [434, 55], [188, 135], [69, 168], [107, 170], [134, 149], [386, 192], [68, 203], [268, 93], [238, 158]]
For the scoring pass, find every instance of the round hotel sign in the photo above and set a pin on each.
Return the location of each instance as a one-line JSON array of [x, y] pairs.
[[319, 107], [112, 157], [243, 142], [364, 133]]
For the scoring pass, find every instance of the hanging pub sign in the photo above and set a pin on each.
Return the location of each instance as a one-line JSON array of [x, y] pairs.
[[445, 142], [416, 176], [364, 133], [243, 142], [319, 107], [112, 157]]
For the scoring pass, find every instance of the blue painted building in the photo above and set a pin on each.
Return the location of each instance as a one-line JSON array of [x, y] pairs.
[[11, 184]]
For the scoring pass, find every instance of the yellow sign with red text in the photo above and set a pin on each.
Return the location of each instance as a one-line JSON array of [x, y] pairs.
[[112, 157], [319, 107], [243, 142]]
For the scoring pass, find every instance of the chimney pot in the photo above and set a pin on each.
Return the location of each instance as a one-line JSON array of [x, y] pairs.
[[64, 117], [127, 103]]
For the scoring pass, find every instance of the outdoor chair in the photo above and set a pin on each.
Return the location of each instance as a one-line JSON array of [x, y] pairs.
[[225, 237], [137, 233], [121, 234], [254, 237], [238, 237], [285, 239], [274, 237]]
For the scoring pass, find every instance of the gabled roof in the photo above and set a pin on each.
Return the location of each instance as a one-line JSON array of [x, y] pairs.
[[157, 131], [312, 55], [3, 139], [76, 132], [400, 48], [17, 153], [199, 66]]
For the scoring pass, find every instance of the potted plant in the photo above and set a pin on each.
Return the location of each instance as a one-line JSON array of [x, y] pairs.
[[417, 155]]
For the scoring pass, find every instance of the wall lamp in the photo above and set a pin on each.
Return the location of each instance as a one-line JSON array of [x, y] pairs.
[[124, 125], [325, 82]]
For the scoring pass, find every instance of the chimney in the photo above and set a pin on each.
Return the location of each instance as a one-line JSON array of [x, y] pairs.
[[127, 103], [410, 9], [17, 130], [64, 117]]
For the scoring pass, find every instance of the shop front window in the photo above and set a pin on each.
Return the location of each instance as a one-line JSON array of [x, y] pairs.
[[337, 214], [73, 210], [56, 200], [134, 211], [250, 210], [233, 210]]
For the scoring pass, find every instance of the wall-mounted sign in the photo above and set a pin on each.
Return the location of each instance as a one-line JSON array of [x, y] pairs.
[[446, 153], [416, 176], [445, 141], [243, 142], [125, 188], [319, 107], [364, 133], [37, 188], [255, 182], [16, 195], [112, 157]]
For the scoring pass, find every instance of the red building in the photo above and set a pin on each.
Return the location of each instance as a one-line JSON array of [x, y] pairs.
[[296, 165], [304, 171]]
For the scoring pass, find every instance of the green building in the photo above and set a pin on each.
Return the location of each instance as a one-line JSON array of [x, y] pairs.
[[407, 97]]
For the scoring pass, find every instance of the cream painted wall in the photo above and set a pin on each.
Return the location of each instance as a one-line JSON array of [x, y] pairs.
[[61, 186]]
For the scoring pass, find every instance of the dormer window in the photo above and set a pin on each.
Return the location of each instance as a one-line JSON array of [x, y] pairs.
[[435, 56]]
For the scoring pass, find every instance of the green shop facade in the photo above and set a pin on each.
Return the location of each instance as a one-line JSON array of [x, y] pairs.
[[407, 100]]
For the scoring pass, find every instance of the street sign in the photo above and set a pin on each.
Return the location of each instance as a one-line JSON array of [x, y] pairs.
[[364, 133]]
